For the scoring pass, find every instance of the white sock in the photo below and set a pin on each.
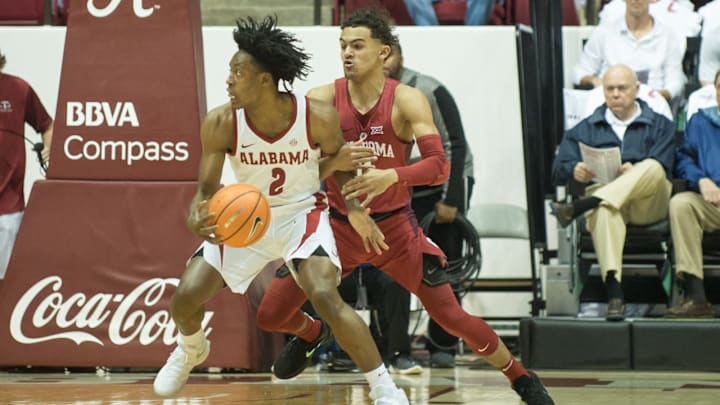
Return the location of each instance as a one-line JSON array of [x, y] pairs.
[[194, 341], [379, 376]]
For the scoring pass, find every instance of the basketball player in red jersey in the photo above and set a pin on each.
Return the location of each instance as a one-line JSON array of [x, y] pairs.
[[387, 116], [274, 141]]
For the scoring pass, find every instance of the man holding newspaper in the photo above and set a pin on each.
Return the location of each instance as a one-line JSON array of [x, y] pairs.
[[624, 152]]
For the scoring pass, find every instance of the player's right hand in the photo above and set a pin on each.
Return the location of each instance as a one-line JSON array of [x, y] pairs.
[[202, 223], [368, 230]]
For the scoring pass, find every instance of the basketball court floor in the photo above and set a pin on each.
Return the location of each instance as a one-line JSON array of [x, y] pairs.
[[462, 385]]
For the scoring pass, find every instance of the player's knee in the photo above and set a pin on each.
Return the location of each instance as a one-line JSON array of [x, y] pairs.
[[186, 300], [326, 301], [451, 321], [181, 307]]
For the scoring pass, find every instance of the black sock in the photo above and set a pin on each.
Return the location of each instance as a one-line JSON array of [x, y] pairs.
[[614, 289], [585, 204], [694, 288]]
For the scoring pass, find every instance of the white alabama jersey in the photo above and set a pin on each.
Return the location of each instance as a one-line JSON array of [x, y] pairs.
[[285, 168]]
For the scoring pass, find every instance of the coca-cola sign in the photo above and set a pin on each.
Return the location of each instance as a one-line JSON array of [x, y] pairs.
[[133, 316], [90, 280]]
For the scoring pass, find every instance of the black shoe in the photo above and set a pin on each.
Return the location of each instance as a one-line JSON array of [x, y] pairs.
[[615, 310], [297, 354], [531, 390], [691, 309], [565, 213]]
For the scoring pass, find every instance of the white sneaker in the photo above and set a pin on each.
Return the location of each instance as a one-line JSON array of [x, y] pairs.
[[174, 374], [387, 395]]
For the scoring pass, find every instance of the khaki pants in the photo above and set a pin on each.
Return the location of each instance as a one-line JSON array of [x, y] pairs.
[[690, 216], [640, 196]]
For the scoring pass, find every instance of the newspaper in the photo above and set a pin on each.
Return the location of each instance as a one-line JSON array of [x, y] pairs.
[[604, 162]]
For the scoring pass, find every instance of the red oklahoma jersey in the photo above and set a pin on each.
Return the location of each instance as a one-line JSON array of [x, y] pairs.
[[375, 128]]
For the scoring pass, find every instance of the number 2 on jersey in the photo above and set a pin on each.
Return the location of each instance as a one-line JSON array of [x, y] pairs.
[[278, 175]]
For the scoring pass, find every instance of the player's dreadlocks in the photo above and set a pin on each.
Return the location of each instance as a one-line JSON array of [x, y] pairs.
[[275, 50], [374, 19]]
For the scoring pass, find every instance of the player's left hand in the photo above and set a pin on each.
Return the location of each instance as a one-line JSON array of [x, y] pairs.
[[445, 214], [371, 183]]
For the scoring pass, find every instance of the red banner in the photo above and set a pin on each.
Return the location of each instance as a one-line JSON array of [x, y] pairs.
[[132, 92]]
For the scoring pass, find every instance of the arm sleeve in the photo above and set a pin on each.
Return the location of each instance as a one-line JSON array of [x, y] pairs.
[[455, 193], [433, 169], [35, 113]]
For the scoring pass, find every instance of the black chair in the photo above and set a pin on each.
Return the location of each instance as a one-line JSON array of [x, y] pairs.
[[647, 263]]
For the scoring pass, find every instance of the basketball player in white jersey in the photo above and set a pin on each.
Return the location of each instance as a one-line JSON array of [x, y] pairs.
[[274, 141]]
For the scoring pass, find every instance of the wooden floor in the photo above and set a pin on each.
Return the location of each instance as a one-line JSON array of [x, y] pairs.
[[462, 385]]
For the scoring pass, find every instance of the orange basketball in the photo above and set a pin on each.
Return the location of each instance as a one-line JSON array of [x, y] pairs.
[[242, 214]]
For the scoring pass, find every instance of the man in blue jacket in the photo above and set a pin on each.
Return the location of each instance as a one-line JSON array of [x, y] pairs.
[[693, 212], [640, 192]]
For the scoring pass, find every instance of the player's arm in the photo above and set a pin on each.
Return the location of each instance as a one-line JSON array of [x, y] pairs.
[[319, 101], [324, 120], [216, 134], [433, 169]]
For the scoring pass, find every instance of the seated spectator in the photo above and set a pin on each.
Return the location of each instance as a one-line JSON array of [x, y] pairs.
[[641, 190], [649, 47], [677, 14], [696, 211], [422, 11], [709, 55]]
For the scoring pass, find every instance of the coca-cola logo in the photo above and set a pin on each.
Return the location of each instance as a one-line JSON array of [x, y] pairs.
[[134, 316], [138, 9]]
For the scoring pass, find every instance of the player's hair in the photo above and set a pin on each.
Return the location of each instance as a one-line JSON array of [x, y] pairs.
[[2, 60], [717, 74], [274, 50], [397, 46], [374, 19]]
